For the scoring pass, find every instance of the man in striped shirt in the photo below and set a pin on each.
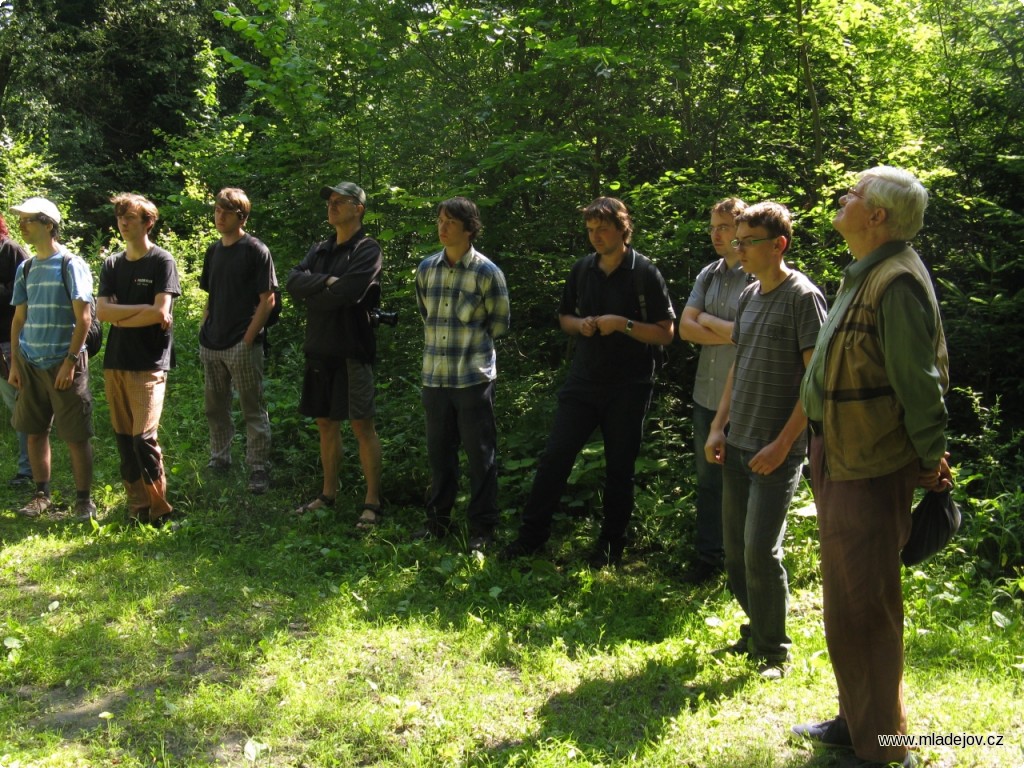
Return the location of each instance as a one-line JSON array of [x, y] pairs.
[[776, 326], [463, 300], [49, 363]]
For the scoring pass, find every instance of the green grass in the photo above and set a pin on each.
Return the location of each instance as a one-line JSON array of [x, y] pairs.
[[304, 644], [244, 636]]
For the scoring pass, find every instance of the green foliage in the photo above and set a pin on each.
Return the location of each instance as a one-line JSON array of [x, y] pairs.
[[23, 172]]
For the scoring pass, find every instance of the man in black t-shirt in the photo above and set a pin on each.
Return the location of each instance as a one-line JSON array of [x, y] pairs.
[[338, 284], [11, 255], [616, 305], [239, 278], [136, 295]]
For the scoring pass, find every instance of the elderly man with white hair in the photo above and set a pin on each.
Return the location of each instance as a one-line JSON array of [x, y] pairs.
[[873, 394]]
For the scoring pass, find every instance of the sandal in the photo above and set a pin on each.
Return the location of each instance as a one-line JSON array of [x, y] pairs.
[[320, 502], [371, 517]]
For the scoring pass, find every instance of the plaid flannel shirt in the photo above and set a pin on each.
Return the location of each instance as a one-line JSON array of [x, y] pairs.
[[464, 308]]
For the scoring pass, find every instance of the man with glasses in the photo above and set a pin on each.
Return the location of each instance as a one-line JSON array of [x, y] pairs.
[[239, 278], [873, 393], [707, 321], [338, 282], [777, 323], [49, 364]]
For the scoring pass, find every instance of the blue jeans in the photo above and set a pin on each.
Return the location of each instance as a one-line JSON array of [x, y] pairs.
[[754, 511], [583, 407], [462, 416], [709, 492]]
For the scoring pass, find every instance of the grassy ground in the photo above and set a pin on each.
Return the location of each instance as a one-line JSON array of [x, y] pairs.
[[243, 636]]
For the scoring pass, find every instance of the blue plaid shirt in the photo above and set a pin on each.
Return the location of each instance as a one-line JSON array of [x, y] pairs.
[[464, 308]]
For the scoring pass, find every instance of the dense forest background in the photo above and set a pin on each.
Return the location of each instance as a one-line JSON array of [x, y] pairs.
[[532, 110]]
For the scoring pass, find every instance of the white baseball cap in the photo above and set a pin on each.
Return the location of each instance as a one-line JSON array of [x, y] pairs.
[[38, 205]]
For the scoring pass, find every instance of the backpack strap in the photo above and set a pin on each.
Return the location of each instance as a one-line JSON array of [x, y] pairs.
[[64, 261], [578, 270], [640, 266]]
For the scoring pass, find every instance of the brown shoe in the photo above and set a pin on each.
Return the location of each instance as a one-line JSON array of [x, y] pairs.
[[37, 506], [259, 482], [84, 510]]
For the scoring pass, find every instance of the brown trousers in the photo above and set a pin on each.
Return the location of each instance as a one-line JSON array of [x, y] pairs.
[[863, 525]]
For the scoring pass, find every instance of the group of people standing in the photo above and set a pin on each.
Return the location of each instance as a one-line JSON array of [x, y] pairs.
[[861, 386]]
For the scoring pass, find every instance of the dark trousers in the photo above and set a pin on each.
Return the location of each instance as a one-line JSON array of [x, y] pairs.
[[463, 417], [619, 411], [709, 544], [863, 525]]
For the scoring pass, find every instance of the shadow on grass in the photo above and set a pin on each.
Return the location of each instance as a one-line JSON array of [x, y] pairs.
[[635, 712]]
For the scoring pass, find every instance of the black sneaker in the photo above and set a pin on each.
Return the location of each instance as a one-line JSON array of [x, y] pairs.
[[831, 733], [605, 554], [431, 532], [701, 572], [740, 648], [480, 542], [19, 480], [519, 548]]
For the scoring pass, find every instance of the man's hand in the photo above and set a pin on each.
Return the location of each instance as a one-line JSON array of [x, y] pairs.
[[938, 479], [714, 448], [65, 376], [609, 324], [14, 378], [589, 326], [769, 458]]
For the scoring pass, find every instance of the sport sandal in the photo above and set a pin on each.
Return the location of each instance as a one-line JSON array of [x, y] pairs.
[[320, 502], [370, 518]]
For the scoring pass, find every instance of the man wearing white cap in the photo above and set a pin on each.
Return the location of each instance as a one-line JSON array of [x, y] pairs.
[[49, 364]]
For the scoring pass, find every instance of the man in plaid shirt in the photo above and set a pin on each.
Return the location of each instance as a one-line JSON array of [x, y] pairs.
[[463, 300]]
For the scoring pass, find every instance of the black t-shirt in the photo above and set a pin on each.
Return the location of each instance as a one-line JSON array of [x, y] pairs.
[[11, 255], [148, 348], [619, 357], [234, 276]]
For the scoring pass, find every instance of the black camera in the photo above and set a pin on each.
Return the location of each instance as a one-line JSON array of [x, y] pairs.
[[379, 317]]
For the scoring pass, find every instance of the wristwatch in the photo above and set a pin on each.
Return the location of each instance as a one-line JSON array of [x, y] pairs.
[[74, 358], [629, 326]]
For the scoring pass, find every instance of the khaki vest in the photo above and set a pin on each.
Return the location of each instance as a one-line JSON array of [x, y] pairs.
[[863, 420]]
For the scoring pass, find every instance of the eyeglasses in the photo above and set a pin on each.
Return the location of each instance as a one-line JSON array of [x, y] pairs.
[[720, 228], [31, 219], [854, 193], [748, 242], [340, 201]]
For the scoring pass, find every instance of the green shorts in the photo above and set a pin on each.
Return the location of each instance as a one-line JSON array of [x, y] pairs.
[[41, 404]]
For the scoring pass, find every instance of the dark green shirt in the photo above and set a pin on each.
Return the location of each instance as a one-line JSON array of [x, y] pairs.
[[907, 336]]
